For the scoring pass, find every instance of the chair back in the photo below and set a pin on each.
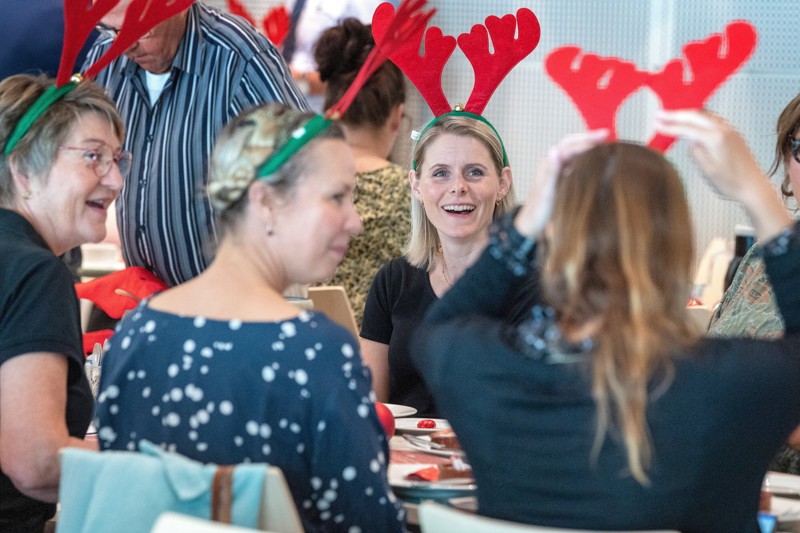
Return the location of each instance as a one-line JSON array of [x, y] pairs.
[[278, 512], [127, 491], [170, 522], [437, 518], [333, 301]]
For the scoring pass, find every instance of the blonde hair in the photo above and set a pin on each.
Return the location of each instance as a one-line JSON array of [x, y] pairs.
[[245, 144], [37, 150], [424, 240], [620, 258]]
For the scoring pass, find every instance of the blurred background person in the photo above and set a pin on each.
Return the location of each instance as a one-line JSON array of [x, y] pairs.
[[176, 88], [371, 125], [56, 185], [277, 384], [307, 20]]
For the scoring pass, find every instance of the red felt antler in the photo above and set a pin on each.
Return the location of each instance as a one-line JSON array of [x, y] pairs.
[[80, 18], [491, 68], [237, 8], [276, 24], [424, 70], [710, 63], [140, 17], [597, 85]]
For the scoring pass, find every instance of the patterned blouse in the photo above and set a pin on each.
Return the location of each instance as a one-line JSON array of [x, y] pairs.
[[291, 393], [383, 200], [748, 309]]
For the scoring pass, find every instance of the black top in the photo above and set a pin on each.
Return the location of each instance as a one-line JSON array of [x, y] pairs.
[[526, 418], [396, 305], [39, 312]]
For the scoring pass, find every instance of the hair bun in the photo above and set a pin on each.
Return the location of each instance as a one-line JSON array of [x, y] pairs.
[[342, 49]]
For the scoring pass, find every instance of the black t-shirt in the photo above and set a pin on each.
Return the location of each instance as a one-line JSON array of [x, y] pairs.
[[396, 305], [39, 312]]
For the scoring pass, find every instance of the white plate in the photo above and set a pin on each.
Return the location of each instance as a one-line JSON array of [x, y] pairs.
[[422, 447], [423, 490], [778, 482], [399, 411], [409, 425]]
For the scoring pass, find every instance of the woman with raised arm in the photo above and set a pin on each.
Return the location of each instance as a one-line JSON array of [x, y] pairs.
[[606, 409]]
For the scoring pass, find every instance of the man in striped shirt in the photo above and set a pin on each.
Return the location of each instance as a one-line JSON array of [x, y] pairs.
[[176, 88]]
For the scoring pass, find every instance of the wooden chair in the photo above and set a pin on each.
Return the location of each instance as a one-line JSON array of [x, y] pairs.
[[333, 301], [437, 518]]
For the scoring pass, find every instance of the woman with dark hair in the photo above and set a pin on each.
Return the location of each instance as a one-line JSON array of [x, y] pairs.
[[371, 125], [607, 409]]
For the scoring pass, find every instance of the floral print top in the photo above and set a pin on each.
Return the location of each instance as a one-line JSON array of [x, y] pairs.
[[748, 308], [292, 393], [383, 199]]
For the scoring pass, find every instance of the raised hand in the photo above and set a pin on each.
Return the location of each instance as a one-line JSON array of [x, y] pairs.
[[533, 216], [729, 165]]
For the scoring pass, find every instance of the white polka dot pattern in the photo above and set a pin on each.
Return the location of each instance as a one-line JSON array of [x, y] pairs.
[[291, 393]]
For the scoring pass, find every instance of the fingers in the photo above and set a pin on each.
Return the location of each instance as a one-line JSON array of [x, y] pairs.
[[536, 212]]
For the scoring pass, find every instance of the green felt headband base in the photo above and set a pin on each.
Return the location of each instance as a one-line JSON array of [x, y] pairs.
[[300, 137], [51, 95], [459, 113]]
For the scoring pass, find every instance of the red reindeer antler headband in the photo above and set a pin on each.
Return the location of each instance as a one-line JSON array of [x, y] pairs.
[[599, 85], [425, 69], [80, 18]]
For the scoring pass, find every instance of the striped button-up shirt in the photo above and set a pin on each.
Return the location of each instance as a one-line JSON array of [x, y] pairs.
[[223, 66]]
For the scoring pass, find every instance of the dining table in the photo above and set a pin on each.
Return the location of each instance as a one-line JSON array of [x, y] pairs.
[[404, 458]]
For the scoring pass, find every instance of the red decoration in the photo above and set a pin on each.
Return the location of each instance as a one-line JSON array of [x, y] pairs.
[[386, 418], [425, 70], [121, 291], [396, 31], [275, 24], [599, 85], [95, 337]]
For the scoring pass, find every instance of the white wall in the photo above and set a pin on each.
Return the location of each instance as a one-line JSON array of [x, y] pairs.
[[531, 112]]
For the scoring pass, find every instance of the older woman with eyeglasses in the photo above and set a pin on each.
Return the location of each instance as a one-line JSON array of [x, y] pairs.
[[59, 172]]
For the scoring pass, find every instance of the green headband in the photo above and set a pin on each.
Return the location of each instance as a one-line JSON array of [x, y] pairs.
[[459, 113], [299, 138], [51, 95]]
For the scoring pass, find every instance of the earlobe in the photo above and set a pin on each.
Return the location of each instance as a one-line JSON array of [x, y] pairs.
[[414, 183], [20, 180], [505, 183]]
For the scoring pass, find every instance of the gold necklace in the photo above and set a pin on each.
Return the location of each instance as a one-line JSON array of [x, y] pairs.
[[444, 269]]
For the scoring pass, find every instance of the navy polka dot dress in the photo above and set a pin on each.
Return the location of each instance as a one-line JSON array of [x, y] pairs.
[[293, 394]]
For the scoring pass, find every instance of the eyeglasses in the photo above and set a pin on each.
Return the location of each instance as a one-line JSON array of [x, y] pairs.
[[107, 32], [795, 148], [101, 159]]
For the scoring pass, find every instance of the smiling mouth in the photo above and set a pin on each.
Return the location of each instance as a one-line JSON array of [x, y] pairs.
[[459, 209], [98, 204]]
